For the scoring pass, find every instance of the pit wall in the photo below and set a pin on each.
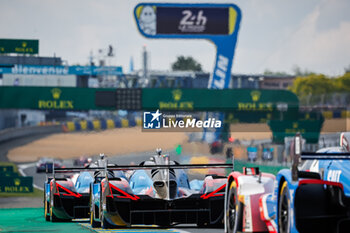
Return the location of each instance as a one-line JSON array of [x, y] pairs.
[[336, 114], [102, 124], [13, 133]]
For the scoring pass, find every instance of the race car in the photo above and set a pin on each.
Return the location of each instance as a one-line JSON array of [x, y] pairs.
[[67, 198], [44, 164], [81, 161], [243, 191], [316, 199], [157, 192]]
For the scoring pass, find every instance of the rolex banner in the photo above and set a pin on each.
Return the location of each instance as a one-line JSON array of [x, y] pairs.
[[11, 182], [17, 184], [268, 102], [49, 98]]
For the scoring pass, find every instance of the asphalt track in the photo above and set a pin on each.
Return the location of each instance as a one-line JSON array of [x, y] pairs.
[[39, 179], [154, 229], [32, 220]]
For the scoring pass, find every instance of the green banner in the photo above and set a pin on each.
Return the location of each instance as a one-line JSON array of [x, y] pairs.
[[258, 104], [8, 174], [19, 46], [49, 98], [240, 164], [249, 100], [241, 105], [6, 169], [309, 129], [16, 184]]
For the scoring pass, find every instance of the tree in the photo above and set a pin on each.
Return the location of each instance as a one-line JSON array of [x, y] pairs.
[[342, 83], [318, 89], [318, 84], [300, 72], [275, 73], [347, 69], [314, 84], [186, 64]]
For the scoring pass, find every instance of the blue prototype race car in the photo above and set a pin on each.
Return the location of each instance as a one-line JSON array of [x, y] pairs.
[[67, 198], [313, 198], [157, 192]]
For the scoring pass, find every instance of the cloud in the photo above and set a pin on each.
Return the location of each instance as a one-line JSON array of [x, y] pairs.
[[317, 48], [274, 34]]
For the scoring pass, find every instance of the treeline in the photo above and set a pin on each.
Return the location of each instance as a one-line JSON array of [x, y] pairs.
[[319, 84]]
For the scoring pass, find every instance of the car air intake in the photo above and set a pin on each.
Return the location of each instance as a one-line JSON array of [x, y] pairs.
[[161, 188]]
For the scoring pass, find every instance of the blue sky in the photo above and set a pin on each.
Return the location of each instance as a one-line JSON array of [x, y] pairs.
[[274, 34]]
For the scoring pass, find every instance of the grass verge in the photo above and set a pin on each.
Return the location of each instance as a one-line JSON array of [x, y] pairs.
[[36, 193]]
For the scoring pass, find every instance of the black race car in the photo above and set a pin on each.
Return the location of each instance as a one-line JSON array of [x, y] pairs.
[[47, 163], [158, 192]]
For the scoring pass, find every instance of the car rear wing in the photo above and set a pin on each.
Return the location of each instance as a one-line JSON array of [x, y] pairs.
[[139, 167], [296, 148], [298, 155], [325, 156], [344, 155], [165, 166], [144, 167]]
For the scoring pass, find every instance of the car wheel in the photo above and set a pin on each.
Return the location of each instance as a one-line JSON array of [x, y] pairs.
[[92, 220], [53, 217], [283, 209], [46, 209], [105, 223], [234, 210], [92, 214]]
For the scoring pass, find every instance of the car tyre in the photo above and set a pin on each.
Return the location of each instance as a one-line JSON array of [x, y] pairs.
[[105, 223], [53, 217], [284, 209], [47, 207], [234, 210], [92, 214]]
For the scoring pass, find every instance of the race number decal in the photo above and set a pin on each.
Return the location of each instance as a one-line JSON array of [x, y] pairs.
[[334, 175]]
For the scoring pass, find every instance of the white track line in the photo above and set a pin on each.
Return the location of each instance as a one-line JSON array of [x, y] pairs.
[[133, 230], [21, 167]]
